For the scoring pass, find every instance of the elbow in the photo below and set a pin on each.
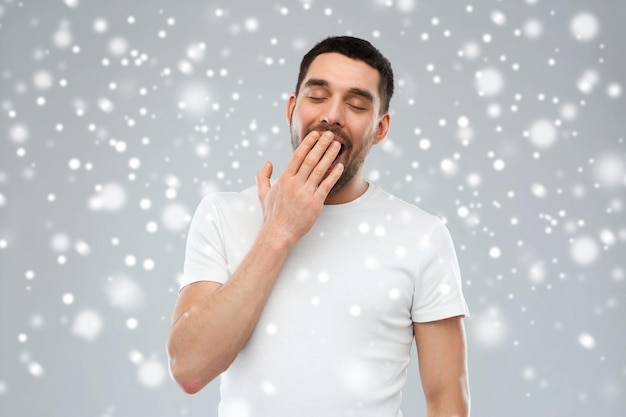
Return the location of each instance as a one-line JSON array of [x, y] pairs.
[[193, 369], [190, 376], [189, 381], [181, 370], [189, 387]]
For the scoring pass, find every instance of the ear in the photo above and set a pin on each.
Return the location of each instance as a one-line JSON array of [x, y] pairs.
[[383, 128], [291, 104]]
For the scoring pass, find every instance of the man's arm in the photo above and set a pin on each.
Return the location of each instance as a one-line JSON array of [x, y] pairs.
[[212, 322], [442, 357]]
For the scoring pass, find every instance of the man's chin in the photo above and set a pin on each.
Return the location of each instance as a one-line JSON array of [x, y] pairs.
[[340, 184]]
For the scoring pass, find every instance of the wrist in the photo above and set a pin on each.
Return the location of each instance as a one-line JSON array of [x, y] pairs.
[[276, 239]]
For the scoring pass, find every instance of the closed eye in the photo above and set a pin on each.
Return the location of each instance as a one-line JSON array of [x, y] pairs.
[[357, 107]]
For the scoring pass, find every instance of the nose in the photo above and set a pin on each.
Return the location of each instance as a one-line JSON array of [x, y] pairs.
[[332, 113]]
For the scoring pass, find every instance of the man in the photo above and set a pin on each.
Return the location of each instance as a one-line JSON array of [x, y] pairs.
[[305, 294]]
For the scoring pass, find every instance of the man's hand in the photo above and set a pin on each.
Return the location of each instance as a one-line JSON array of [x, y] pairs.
[[293, 203]]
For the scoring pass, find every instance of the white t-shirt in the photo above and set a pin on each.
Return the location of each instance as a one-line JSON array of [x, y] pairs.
[[335, 335]]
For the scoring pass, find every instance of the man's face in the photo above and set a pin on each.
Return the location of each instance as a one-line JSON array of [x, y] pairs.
[[340, 94]]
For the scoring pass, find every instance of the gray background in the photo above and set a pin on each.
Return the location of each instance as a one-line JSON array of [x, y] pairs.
[[116, 117]]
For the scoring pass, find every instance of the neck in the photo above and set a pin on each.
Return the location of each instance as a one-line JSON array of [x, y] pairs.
[[349, 192]]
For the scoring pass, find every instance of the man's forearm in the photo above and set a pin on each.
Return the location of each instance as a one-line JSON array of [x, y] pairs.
[[207, 337]]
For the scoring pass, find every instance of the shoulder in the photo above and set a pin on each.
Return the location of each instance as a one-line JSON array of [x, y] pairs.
[[228, 207], [403, 211], [229, 201]]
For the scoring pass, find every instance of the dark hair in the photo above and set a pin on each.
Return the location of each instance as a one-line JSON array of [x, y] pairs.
[[354, 48]]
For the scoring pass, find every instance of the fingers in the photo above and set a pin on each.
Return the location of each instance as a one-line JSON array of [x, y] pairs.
[[301, 152], [328, 183], [308, 154], [315, 158], [318, 159], [320, 169], [263, 180]]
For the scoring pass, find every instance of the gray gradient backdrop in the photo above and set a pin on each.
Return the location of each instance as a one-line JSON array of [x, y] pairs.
[[116, 117]]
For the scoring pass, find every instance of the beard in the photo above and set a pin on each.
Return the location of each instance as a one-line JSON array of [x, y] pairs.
[[352, 162]]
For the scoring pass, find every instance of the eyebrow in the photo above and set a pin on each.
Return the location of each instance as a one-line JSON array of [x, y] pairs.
[[318, 82]]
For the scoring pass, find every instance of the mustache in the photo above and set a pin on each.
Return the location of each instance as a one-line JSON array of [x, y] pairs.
[[323, 127]]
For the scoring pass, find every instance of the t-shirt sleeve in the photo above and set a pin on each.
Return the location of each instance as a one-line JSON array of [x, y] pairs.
[[438, 293], [205, 258]]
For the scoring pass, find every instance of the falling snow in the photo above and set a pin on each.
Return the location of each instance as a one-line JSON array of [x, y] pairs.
[[124, 293], [151, 373], [507, 123], [87, 325]]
